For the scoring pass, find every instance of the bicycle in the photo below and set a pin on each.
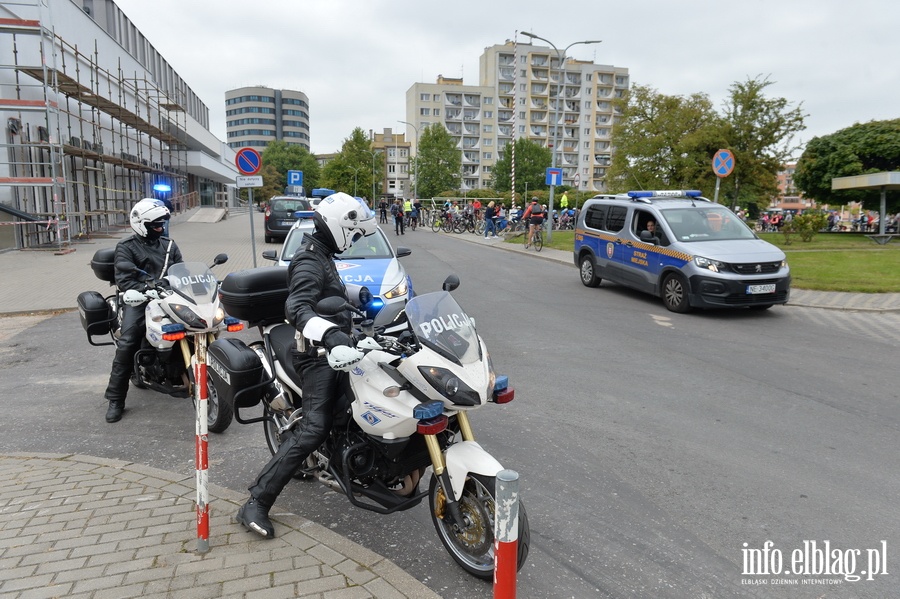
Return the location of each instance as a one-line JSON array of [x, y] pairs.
[[537, 240]]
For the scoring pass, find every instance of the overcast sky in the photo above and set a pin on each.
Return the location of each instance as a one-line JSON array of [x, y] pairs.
[[356, 59]]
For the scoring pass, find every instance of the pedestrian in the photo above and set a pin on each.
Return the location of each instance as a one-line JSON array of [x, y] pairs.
[[490, 224], [152, 253], [382, 211], [339, 221], [397, 213], [564, 202]]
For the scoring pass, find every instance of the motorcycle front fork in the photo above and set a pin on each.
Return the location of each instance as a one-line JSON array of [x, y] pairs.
[[187, 356], [440, 470]]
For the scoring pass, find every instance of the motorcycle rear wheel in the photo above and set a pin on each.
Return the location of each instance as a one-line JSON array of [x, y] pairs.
[[473, 548]]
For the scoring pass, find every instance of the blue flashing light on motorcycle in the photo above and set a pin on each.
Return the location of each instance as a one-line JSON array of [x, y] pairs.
[[428, 409]]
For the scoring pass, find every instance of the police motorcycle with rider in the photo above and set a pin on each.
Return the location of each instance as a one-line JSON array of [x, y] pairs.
[[163, 311], [365, 413]]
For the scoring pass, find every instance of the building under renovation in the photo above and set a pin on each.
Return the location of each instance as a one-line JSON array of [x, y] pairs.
[[95, 119]]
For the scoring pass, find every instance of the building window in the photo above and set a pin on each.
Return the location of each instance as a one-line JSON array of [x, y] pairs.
[[424, 97], [488, 114], [437, 97], [487, 100], [391, 152], [423, 111], [587, 131], [404, 152], [437, 112], [392, 168], [587, 145], [487, 156], [488, 128], [488, 141], [521, 128], [521, 87]]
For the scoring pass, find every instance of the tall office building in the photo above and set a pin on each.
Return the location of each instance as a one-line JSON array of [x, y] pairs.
[[257, 115], [524, 92]]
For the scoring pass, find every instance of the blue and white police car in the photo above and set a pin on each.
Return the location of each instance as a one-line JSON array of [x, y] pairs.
[[370, 262], [680, 246]]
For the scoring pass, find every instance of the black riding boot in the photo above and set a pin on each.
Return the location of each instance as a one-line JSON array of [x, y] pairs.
[[114, 412], [254, 516]]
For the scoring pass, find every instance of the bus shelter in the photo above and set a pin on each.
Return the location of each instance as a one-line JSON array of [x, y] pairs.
[[889, 180]]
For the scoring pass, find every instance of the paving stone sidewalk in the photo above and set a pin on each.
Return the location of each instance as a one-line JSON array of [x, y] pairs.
[[82, 527]]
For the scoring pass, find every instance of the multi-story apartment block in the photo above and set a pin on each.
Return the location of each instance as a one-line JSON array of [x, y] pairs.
[[393, 151], [257, 115], [523, 92]]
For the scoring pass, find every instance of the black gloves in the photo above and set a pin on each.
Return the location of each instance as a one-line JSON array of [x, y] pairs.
[[335, 337]]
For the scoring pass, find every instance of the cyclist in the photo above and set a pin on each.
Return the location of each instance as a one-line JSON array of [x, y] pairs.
[[534, 216]]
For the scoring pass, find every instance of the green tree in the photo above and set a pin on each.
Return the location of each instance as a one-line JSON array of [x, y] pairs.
[[759, 131], [286, 157], [351, 170], [437, 165], [532, 160], [857, 150], [669, 141], [663, 142]]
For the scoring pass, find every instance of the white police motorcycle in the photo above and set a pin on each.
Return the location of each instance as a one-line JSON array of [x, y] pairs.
[[406, 408]]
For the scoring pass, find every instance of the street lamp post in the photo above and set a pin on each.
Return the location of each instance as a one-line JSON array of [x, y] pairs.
[[559, 87], [416, 164], [374, 154], [355, 173]]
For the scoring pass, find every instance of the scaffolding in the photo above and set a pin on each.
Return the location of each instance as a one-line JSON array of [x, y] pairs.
[[83, 142]]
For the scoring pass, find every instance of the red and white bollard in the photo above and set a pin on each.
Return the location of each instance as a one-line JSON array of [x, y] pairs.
[[506, 534], [202, 454]]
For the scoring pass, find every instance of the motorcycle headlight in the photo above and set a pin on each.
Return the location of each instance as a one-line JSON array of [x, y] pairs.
[[713, 265], [219, 317], [189, 317], [450, 386], [399, 291]]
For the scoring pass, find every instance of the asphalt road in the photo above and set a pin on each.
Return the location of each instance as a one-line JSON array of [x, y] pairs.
[[651, 446]]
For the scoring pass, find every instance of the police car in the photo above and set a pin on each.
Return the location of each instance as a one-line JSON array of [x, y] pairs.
[[696, 254], [370, 262]]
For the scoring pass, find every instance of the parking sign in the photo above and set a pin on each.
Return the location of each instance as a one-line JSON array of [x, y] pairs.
[[295, 177]]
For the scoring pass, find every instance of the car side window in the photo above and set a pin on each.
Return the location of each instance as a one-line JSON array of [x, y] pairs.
[[595, 217], [615, 218]]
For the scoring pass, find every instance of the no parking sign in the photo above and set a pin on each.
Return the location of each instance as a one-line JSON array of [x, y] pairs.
[[723, 163]]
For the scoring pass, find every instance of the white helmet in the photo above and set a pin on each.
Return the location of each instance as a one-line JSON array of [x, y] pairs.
[[345, 219], [147, 211]]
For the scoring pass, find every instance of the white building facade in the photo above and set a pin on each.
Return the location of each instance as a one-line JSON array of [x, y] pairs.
[[258, 115]]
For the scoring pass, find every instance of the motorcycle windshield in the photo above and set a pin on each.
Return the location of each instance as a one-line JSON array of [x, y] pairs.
[[440, 324], [193, 281]]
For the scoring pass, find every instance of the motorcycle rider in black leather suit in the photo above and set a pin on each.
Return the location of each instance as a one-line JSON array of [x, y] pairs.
[[151, 252], [340, 220]]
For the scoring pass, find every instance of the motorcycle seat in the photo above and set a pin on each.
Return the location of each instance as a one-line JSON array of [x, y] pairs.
[[282, 339]]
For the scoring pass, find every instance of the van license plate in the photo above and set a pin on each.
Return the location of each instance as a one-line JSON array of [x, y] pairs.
[[285, 223], [754, 289]]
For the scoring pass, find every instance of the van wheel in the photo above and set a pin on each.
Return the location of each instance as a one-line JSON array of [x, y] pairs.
[[588, 272], [675, 294]]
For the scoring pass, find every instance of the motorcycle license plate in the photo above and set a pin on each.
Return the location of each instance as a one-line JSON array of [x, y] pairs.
[[754, 289]]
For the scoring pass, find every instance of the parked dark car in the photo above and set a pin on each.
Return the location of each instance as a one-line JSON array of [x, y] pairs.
[[280, 215]]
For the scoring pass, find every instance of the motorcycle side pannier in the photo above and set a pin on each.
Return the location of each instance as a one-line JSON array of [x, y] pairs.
[[103, 265], [233, 368], [96, 315], [256, 295]]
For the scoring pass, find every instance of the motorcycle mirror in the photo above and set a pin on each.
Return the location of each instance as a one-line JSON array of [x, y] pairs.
[[365, 296], [124, 266], [450, 283], [220, 259], [331, 306]]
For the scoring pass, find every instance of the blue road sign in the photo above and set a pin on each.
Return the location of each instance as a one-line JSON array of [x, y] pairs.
[[723, 163], [554, 176], [295, 177], [248, 161]]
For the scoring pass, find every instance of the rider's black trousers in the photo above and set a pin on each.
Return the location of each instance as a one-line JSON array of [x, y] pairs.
[[133, 331], [321, 389]]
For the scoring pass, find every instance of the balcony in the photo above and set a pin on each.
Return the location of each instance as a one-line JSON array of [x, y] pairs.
[[604, 92], [452, 114], [453, 99], [505, 116], [471, 157], [454, 129], [506, 60], [470, 115], [539, 116], [538, 131], [573, 79], [470, 143], [573, 106], [604, 106], [602, 159], [507, 74], [599, 172], [539, 61], [505, 130], [472, 99], [539, 89], [537, 103], [506, 89], [601, 145], [471, 128], [539, 74], [602, 132]]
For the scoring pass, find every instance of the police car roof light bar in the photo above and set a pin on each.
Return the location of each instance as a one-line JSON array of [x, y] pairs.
[[691, 193]]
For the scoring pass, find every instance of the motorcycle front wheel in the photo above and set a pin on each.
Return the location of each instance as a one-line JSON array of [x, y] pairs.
[[473, 547], [219, 411]]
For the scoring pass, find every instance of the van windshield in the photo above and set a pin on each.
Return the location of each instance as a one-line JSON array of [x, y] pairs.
[[706, 224]]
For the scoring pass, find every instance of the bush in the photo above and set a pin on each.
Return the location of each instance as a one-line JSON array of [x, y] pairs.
[[805, 225]]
